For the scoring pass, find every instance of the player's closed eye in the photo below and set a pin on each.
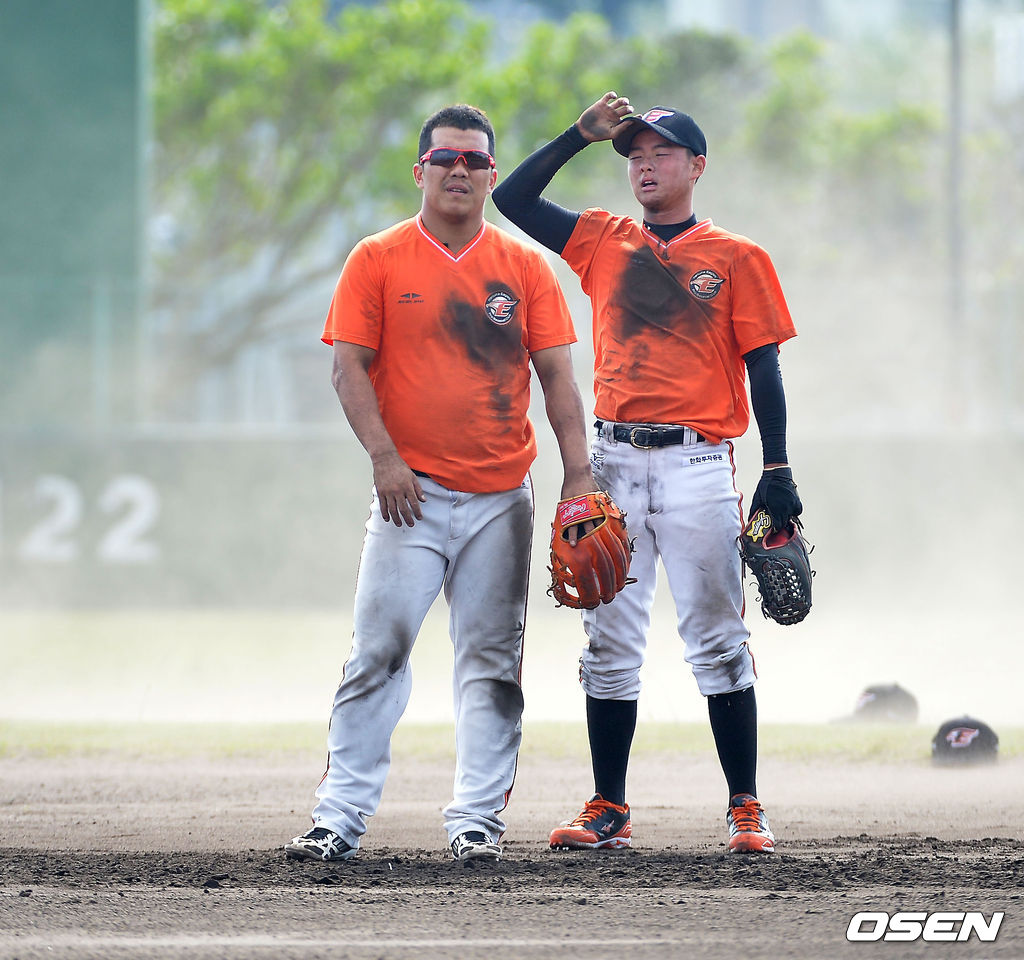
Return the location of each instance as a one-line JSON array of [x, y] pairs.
[[448, 157]]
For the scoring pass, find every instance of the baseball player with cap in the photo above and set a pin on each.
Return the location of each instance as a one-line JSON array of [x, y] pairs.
[[434, 324], [683, 313]]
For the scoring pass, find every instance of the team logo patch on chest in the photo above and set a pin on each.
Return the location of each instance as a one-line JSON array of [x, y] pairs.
[[705, 284], [500, 307]]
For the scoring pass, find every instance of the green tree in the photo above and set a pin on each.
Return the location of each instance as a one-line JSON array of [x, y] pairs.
[[281, 136], [839, 171]]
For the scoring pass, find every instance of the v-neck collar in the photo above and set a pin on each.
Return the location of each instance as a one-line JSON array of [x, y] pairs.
[[661, 248], [455, 258], [652, 236]]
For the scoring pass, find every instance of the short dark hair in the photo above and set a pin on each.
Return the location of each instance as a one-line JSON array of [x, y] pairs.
[[461, 116]]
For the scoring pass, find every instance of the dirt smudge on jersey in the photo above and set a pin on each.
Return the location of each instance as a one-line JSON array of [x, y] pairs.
[[652, 296], [501, 405], [494, 348], [486, 344]]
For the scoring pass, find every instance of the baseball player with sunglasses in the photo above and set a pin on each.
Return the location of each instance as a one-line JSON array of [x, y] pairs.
[[434, 325], [683, 313]]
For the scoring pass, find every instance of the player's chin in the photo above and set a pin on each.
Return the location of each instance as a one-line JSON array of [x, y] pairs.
[[649, 199], [460, 202]]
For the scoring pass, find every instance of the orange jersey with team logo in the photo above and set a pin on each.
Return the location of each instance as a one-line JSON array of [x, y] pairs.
[[672, 321], [453, 335]]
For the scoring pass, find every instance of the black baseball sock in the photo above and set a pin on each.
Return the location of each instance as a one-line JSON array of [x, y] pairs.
[[610, 725], [734, 725]]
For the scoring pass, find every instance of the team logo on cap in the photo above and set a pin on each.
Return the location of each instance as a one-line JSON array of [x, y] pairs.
[[960, 737], [653, 116], [705, 284], [500, 307]]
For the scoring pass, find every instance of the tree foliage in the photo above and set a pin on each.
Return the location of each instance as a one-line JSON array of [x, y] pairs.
[[280, 135]]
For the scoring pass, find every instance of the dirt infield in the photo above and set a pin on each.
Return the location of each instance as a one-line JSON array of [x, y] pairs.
[[108, 857]]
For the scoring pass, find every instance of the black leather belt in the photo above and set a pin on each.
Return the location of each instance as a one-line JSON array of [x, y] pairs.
[[645, 436]]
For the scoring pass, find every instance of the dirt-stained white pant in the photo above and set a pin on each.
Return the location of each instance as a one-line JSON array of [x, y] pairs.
[[476, 546], [681, 505]]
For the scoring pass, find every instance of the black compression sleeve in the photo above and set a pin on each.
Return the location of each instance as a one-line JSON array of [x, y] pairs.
[[519, 198], [768, 399]]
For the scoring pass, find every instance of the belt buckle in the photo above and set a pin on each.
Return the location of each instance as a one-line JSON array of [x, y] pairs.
[[633, 442]]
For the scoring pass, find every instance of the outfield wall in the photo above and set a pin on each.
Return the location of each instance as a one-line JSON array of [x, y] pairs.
[[138, 522]]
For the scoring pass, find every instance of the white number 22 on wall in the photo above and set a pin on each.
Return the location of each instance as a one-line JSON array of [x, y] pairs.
[[133, 500]]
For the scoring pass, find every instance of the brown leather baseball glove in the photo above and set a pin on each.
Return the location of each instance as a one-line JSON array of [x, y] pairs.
[[595, 569]]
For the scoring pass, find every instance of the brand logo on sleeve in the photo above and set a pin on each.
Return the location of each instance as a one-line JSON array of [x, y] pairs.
[[705, 284], [500, 307], [410, 298]]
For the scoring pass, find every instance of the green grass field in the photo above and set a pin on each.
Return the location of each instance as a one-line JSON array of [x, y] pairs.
[[236, 683], [882, 743]]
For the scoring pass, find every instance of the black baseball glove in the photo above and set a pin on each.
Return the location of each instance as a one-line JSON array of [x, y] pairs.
[[781, 563], [776, 493]]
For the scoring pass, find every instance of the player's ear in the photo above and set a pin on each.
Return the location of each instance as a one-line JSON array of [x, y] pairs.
[[699, 163], [417, 174], [494, 179]]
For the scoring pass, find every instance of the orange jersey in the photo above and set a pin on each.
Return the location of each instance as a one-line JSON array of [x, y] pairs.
[[453, 335], [672, 321]]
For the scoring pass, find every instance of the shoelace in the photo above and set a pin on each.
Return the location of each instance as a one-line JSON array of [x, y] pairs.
[[748, 816], [591, 811]]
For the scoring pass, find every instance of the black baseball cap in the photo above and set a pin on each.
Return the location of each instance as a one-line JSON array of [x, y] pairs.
[[964, 740], [886, 703], [674, 125]]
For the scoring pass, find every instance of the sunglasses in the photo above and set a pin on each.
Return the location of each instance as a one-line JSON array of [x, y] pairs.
[[448, 157]]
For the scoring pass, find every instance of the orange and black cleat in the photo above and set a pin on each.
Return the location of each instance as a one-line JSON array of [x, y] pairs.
[[748, 826], [600, 825]]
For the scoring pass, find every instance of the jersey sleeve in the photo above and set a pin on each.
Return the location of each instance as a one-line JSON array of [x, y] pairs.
[[759, 314], [585, 241], [357, 309], [549, 323]]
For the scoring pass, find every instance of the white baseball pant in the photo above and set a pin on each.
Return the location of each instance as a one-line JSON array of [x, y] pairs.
[[476, 547], [681, 505]]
